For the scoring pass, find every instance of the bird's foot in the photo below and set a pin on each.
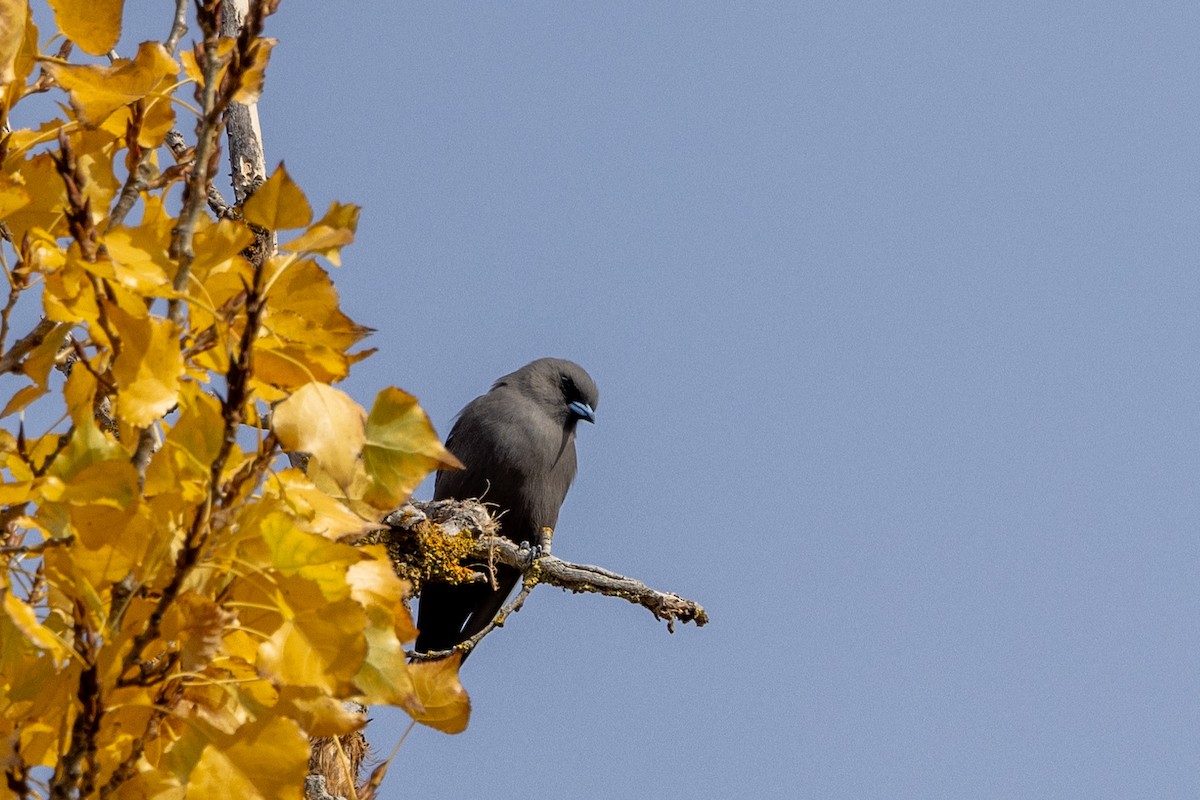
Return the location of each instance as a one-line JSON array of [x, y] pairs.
[[532, 552]]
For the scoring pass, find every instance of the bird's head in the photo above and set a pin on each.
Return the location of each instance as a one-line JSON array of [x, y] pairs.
[[561, 387]]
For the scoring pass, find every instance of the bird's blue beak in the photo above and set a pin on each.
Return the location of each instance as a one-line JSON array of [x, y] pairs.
[[582, 410]]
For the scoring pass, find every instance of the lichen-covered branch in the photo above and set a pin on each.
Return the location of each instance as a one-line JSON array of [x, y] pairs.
[[456, 520]]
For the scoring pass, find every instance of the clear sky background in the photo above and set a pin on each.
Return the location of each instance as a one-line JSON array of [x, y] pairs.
[[894, 309]]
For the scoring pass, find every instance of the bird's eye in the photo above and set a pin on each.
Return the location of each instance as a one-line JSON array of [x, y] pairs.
[[568, 385]]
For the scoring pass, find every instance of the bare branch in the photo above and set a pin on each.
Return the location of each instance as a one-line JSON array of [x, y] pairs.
[[146, 447], [549, 569], [137, 181], [178, 26]]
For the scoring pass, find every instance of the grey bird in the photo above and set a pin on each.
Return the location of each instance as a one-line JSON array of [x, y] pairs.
[[518, 445]]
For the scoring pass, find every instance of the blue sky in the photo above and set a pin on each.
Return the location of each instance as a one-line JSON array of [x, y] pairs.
[[894, 312], [893, 308]]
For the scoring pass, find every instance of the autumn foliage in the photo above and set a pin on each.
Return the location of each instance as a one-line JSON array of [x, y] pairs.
[[181, 608]]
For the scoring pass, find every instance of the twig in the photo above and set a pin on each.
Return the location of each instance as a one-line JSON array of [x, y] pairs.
[[183, 154], [35, 549], [516, 605], [141, 170], [17, 283], [178, 26], [212, 106], [11, 360]]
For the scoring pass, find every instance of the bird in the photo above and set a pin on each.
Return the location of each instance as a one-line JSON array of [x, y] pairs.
[[517, 443]]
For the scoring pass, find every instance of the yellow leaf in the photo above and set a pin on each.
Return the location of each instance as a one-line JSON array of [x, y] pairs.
[[239, 644], [47, 198], [290, 365], [223, 56], [41, 359], [373, 581], [67, 567], [278, 204], [183, 463], [351, 496], [157, 118], [80, 394], [14, 14], [70, 294], [94, 25], [94, 159], [128, 713], [328, 236], [254, 72], [150, 785], [13, 195], [96, 91], [198, 624], [8, 445], [318, 713], [260, 608], [31, 672], [39, 740], [213, 704], [323, 647], [25, 619], [324, 514], [37, 366], [140, 255], [324, 422], [15, 493], [217, 287], [266, 759], [115, 542], [157, 122], [384, 677], [296, 552], [406, 629], [192, 70], [88, 445], [218, 248], [303, 306], [23, 140], [108, 483], [147, 368], [445, 703], [23, 397], [401, 448]]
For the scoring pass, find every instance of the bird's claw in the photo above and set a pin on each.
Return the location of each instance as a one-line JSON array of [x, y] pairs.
[[532, 552]]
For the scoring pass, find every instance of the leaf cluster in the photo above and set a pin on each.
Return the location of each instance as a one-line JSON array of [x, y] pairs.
[[179, 610]]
